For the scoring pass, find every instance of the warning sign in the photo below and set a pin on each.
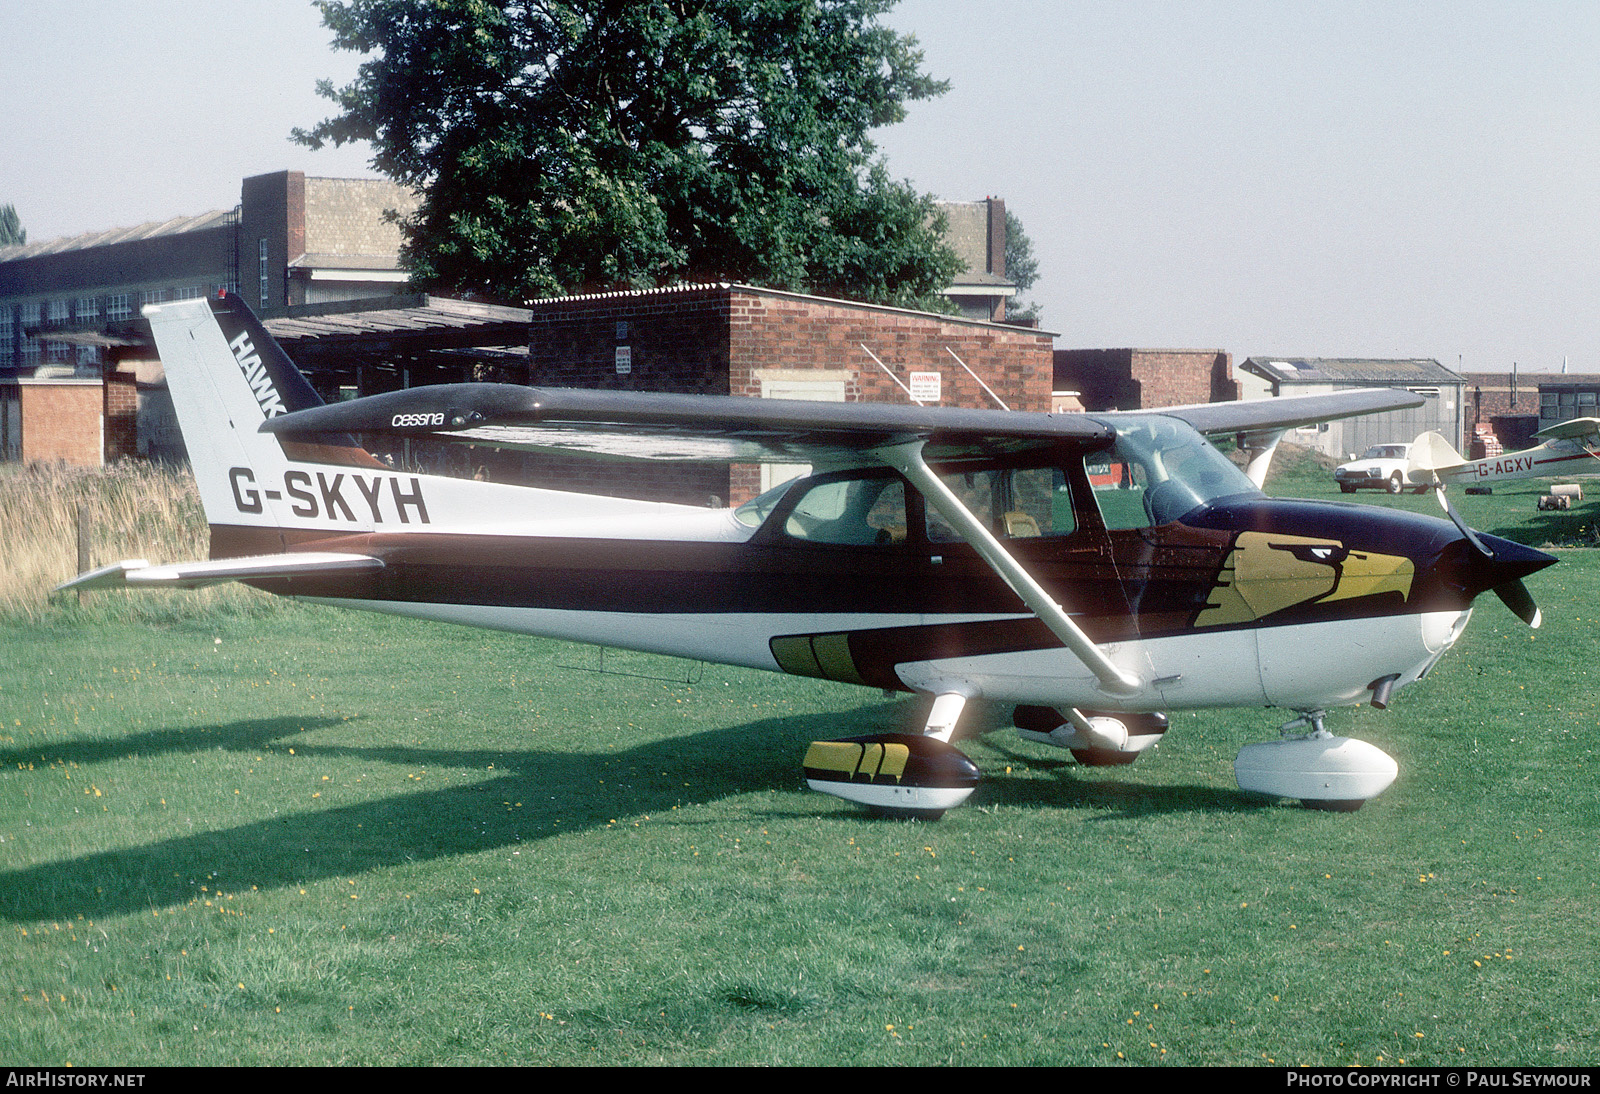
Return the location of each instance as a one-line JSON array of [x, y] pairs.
[[925, 387]]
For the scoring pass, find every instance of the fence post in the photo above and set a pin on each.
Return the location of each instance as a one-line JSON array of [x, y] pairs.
[[85, 531]]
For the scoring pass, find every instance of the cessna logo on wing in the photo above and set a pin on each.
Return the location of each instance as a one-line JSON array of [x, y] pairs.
[[401, 421], [256, 375]]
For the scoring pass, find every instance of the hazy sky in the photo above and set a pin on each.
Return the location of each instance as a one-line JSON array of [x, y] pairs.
[[1283, 178]]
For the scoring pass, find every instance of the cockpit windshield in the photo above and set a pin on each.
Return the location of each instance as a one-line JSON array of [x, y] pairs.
[[1162, 468]]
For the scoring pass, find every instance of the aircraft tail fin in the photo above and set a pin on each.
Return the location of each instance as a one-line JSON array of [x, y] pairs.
[[226, 376], [1431, 454]]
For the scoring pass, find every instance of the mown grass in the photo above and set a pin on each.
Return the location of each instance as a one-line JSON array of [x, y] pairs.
[[317, 837]]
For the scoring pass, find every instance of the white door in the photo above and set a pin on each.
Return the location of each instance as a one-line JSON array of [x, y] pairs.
[[809, 390]]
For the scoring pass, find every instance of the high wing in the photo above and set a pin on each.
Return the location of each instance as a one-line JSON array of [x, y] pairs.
[[1264, 415], [663, 426], [1586, 430]]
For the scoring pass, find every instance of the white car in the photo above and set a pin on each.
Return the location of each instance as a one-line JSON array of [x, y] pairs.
[[1381, 467]]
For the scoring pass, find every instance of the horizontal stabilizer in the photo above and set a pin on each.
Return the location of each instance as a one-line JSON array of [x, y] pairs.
[[137, 573]]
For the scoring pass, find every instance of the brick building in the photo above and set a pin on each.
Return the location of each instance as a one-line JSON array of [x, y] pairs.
[[296, 247], [726, 339], [976, 232], [1141, 379], [1514, 405]]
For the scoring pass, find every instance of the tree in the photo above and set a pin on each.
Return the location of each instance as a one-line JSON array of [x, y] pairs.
[[584, 144], [1022, 269], [11, 229]]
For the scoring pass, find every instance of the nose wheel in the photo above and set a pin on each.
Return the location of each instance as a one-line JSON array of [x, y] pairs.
[[1333, 774]]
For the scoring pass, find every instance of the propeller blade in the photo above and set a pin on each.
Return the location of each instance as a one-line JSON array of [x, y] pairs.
[[1455, 518], [1515, 595]]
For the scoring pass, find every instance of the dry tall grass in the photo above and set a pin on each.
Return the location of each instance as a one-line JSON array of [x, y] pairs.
[[136, 510]]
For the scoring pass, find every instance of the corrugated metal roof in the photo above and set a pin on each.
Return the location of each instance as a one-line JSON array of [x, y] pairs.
[[1352, 370], [149, 230], [409, 314]]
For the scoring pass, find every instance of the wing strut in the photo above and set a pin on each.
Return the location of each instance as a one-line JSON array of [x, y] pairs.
[[907, 459]]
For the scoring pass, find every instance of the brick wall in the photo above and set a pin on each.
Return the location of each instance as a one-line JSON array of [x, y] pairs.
[[272, 208], [1143, 379], [1488, 394], [724, 340], [121, 409], [1178, 377], [61, 421], [347, 216]]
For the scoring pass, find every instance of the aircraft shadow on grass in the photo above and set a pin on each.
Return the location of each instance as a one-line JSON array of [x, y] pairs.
[[540, 794]]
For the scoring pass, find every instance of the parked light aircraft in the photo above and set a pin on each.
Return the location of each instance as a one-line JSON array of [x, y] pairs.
[[1571, 448], [1096, 570]]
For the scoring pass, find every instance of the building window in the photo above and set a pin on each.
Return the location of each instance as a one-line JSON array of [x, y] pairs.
[[188, 292], [88, 307], [119, 307], [155, 296], [58, 311], [265, 295]]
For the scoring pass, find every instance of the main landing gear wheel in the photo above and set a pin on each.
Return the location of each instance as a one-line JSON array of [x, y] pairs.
[[908, 776]]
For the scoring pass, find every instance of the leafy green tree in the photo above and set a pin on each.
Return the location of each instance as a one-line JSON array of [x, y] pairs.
[[11, 229], [1022, 268], [582, 144]]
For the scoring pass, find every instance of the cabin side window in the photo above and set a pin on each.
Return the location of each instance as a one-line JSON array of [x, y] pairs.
[[1119, 490], [1014, 502]]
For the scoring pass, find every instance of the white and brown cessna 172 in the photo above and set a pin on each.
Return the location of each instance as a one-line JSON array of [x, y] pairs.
[[1096, 570]]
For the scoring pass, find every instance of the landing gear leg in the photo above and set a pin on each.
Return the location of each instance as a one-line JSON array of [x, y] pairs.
[[906, 775], [1337, 774]]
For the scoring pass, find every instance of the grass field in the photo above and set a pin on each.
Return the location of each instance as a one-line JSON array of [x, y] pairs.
[[310, 837]]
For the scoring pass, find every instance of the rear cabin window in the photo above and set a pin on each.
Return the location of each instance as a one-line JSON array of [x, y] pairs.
[[867, 511]]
